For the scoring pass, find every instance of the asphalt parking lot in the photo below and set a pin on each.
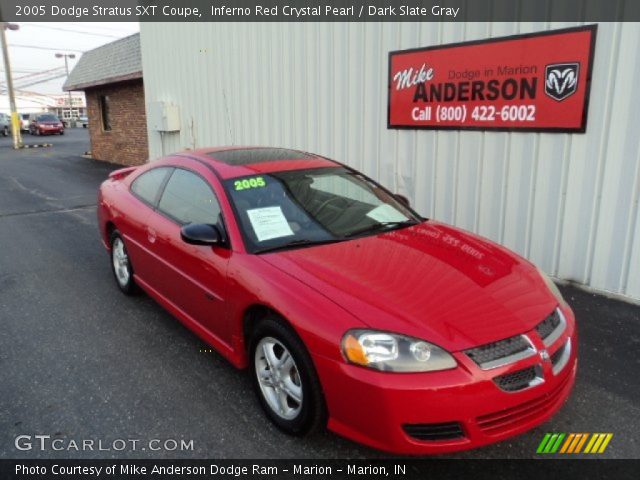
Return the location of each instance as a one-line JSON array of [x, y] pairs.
[[78, 360]]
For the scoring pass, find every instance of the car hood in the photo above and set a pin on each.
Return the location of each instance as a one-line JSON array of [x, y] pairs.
[[431, 281]]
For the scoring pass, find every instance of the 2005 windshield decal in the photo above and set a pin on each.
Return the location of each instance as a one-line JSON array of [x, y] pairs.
[[534, 82]]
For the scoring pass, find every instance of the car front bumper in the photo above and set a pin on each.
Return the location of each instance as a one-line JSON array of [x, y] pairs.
[[375, 408], [50, 130]]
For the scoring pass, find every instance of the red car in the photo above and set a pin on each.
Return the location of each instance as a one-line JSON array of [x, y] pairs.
[[349, 309], [45, 124]]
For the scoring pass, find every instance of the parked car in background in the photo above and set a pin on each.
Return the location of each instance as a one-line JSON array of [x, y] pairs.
[[24, 121], [5, 124], [348, 308], [84, 121], [44, 124]]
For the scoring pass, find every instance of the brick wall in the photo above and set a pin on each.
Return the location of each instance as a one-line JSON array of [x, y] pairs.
[[126, 142]]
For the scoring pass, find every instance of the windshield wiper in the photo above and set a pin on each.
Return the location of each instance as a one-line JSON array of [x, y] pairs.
[[381, 227], [302, 242]]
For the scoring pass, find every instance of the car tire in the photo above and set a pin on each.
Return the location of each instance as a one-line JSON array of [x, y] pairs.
[[62, 132], [278, 386], [5, 132], [121, 264]]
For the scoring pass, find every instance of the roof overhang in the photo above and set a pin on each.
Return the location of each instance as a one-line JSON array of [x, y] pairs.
[[104, 81]]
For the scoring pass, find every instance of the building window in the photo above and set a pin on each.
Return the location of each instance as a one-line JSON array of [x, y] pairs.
[[104, 110]]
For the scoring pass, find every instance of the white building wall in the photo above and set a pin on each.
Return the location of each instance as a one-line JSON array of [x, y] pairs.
[[568, 202]]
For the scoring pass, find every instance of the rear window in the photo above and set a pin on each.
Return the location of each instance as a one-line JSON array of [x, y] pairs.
[[147, 185]]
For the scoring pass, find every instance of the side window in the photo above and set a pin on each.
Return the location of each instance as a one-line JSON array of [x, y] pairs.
[[188, 199], [105, 113], [146, 186]]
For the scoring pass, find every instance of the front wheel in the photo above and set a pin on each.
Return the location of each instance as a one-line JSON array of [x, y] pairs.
[[5, 132], [285, 379], [121, 265]]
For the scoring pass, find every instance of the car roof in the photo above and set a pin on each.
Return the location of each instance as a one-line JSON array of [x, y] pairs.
[[239, 161]]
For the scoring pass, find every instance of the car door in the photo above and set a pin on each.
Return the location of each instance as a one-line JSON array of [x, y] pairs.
[[133, 222], [191, 277]]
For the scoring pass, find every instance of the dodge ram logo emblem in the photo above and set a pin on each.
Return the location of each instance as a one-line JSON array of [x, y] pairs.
[[561, 80], [544, 355]]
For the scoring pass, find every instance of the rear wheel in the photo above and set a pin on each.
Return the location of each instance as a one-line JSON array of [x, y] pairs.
[[5, 132], [121, 265], [285, 379]]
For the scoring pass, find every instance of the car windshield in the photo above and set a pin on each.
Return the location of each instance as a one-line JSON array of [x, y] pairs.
[[298, 208], [48, 118]]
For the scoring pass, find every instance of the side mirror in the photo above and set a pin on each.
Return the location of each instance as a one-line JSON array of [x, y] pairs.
[[402, 199], [200, 234]]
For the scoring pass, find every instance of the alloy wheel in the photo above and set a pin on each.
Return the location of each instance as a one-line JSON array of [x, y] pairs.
[[279, 378], [120, 262]]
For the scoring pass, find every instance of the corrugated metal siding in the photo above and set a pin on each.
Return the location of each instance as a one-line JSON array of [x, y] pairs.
[[567, 202]]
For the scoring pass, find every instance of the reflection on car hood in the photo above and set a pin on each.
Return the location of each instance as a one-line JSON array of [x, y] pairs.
[[431, 281]]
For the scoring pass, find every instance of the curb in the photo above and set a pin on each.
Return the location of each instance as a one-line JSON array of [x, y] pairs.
[[37, 145]]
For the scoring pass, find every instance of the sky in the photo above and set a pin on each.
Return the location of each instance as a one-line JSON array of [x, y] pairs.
[[46, 39]]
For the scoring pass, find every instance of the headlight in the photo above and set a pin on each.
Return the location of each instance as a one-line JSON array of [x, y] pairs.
[[552, 287], [394, 353]]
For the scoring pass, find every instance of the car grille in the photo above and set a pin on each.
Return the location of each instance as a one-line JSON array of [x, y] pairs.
[[548, 325], [561, 357], [518, 347], [551, 328], [519, 380], [555, 358], [434, 431], [509, 418], [501, 352]]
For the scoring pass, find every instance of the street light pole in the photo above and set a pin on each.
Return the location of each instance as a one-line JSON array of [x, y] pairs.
[[66, 67], [15, 120]]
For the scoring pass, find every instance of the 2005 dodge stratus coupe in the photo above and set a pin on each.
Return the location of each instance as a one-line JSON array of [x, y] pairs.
[[349, 309]]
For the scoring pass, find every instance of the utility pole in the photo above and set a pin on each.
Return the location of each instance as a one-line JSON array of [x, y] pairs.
[[15, 120], [66, 67]]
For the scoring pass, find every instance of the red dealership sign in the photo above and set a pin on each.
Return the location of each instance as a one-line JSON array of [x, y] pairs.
[[534, 82]]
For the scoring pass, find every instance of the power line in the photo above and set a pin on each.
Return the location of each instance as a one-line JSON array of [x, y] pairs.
[[23, 71], [70, 30], [17, 45]]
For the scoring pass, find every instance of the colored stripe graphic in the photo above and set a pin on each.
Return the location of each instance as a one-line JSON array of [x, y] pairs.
[[582, 442], [572, 443], [543, 443], [567, 442], [555, 447], [599, 443], [550, 443], [592, 440], [605, 442]]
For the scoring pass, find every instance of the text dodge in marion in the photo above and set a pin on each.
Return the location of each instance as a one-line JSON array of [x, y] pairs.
[[213, 469]]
